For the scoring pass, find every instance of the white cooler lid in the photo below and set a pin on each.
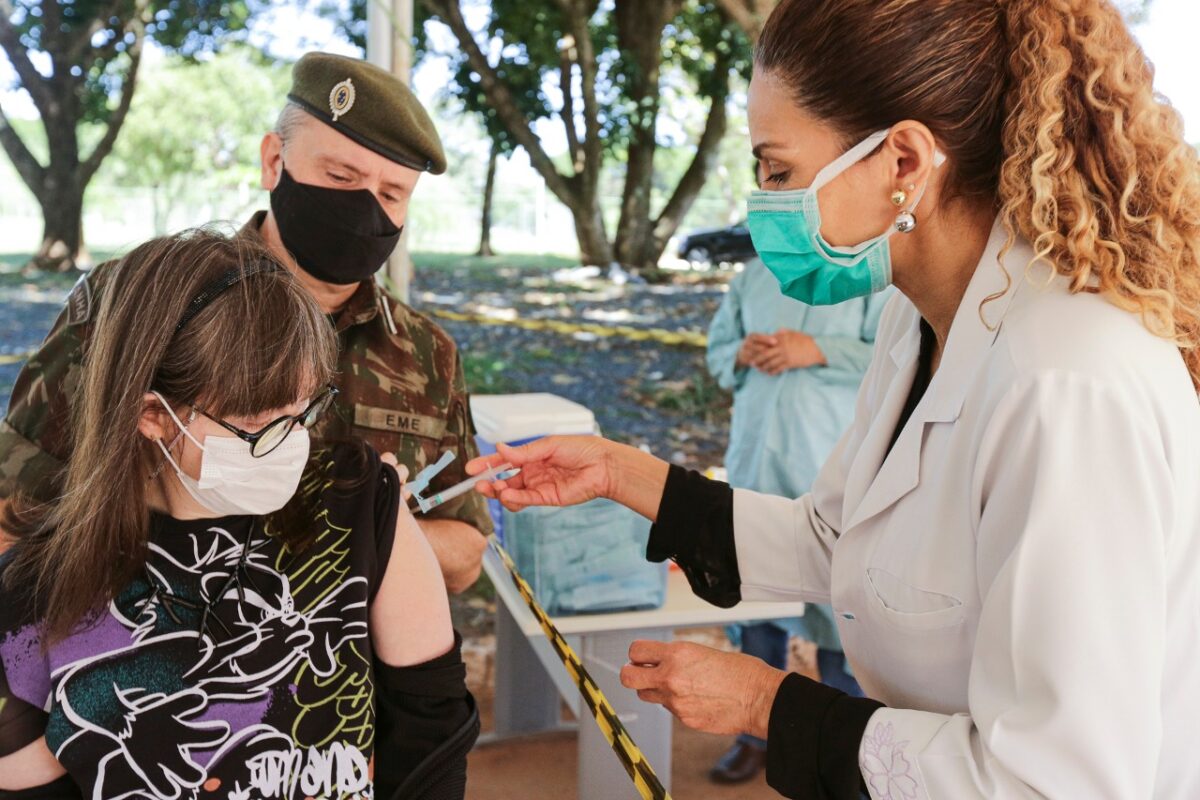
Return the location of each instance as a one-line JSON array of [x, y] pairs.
[[512, 417]]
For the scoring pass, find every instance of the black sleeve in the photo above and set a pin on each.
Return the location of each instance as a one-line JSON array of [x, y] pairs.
[[426, 723], [20, 723], [813, 739], [695, 529], [362, 493], [62, 789], [387, 505]]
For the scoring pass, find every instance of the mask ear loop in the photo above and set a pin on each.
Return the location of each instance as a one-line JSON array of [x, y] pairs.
[[183, 431], [848, 159], [832, 170]]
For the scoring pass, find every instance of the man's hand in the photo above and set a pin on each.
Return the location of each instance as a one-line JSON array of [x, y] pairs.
[[752, 347], [792, 350], [401, 470], [708, 690]]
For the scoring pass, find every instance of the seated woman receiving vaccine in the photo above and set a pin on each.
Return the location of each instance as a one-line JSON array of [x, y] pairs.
[[216, 607]]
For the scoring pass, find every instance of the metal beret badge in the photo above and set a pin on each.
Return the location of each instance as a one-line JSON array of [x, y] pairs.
[[341, 98]]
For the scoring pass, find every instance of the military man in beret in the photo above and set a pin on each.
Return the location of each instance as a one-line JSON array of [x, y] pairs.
[[341, 166]]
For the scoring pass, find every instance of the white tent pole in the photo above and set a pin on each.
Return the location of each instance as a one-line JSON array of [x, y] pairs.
[[389, 45]]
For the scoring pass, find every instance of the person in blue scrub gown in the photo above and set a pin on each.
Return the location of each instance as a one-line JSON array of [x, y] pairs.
[[794, 370]]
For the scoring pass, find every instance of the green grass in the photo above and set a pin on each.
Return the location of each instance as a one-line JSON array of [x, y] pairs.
[[696, 396], [13, 261], [488, 374], [563, 357], [12, 264], [11, 277], [523, 261]]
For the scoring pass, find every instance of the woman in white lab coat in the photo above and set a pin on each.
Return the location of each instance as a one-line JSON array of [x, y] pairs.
[[1009, 533]]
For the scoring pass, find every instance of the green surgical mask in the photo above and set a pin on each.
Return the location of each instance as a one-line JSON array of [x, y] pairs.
[[786, 229]]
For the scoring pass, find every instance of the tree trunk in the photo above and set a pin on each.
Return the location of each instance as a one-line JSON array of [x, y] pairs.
[[485, 218], [59, 98], [61, 200], [594, 247], [750, 15], [689, 186], [579, 191], [640, 26]]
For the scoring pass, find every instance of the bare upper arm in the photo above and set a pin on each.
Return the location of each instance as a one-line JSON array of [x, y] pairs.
[[32, 765], [410, 616]]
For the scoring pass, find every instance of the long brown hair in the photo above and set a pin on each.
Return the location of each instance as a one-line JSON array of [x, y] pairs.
[[1046, 109], [261, 345]]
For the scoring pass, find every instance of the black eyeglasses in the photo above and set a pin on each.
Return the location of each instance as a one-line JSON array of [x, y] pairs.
[[276, 431]]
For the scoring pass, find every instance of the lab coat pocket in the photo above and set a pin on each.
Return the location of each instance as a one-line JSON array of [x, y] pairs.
[[909, 607]]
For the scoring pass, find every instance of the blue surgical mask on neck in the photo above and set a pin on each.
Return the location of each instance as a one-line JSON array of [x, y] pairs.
[[786, 230]]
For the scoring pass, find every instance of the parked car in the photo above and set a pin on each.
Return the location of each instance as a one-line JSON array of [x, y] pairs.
[[717, 245]]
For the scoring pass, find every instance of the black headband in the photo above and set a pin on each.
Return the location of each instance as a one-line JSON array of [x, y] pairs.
[[214, 289]]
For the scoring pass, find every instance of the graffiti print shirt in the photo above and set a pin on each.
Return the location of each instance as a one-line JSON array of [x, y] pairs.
[[274, 699]]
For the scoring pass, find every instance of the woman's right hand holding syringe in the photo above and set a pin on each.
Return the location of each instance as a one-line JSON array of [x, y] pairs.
[[568, 470]]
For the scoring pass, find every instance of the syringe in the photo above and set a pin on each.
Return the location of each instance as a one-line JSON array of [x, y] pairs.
[[496, 473]]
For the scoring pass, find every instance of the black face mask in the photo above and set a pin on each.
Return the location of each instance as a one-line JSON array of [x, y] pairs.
[[336, 235]]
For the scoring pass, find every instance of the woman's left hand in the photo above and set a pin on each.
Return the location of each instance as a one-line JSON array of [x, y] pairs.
[[708, 689], [792, 350]]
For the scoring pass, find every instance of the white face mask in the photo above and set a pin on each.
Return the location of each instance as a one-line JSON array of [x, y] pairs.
[[234, 482]]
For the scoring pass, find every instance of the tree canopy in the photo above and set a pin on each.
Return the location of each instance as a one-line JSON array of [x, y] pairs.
[[79, 60], [599, 71]]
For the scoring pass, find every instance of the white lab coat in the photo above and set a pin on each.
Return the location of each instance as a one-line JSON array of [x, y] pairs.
[[1019, 579]]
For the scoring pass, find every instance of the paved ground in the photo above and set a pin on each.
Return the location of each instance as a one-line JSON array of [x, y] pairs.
[[502, 771]]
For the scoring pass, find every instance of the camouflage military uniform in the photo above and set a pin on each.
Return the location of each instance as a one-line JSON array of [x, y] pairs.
[[401, 391]]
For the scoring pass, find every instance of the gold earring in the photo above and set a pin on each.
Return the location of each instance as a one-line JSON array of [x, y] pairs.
[[899, 197]]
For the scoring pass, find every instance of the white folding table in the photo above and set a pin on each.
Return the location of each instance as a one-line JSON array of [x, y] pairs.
[[528, 673]]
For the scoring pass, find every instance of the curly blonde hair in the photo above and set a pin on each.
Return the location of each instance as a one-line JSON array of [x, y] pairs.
[[1046, 109], [1096, 172]]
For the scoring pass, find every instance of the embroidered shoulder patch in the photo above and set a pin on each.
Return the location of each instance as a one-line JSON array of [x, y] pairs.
[[79, 302]]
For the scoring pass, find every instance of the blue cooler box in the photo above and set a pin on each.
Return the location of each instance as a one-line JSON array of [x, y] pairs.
[[589, 558], [585, 559]]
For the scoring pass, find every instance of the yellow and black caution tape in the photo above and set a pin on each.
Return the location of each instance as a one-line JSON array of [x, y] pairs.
[[631, 758], [15, 358], [628, 332]]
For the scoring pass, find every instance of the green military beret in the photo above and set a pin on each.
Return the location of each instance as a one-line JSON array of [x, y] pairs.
[[369, 105]]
